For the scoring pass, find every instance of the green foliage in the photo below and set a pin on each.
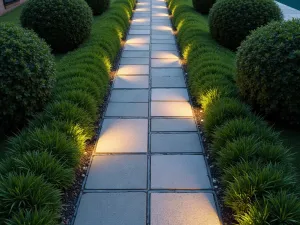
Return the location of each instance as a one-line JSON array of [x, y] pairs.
[[43, 139], [230, 21], [281, 208], [252, 161], [40, 164], [63, 24], [98, 6], [223, 110], [268, 71], [247, 127], [253, 186], [203, 6], [34, 217], [26, 75], [252, 149], [27, 192]]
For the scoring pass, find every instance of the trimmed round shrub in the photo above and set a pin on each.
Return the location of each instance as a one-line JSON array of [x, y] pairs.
[[63, 24], [27, 192], [253, 186], [98, 6], [280, 208], [43, 164], [203, 6], [268, 75], [33, 217], [223, 110], [26, 75], [231, 21]]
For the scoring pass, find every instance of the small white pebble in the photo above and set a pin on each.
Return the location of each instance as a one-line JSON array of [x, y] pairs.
[[216, 186], [214, 180], [83, 175], [211, 166], [84, 168]]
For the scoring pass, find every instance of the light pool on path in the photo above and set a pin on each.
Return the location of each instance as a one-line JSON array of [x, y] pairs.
[[148, 167]]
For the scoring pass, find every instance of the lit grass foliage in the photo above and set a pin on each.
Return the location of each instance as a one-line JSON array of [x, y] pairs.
[[256, 169], [41, 158]]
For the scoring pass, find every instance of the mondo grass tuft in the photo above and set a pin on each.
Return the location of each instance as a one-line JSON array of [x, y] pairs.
[[27, 192], [42, 164], [251, 149], [247, 127], [253, 186], [50, 140], [33, 217], [280, 208], [223, 110]]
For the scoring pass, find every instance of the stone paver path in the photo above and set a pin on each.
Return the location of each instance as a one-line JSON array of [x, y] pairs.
[[289, 12], [148, 167]]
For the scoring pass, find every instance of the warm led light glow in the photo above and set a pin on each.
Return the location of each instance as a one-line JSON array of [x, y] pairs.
[[158, 7], [171, 109], [162, 27], [160, 14], [165, 55], [140, 20], [142, 10], [138, 40]]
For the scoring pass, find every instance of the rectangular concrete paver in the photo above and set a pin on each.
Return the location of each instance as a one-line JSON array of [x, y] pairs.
[[123, 136], [129, 95], [118, 172], [166, 72], [131, 82], [175, 142], [135, 54], [183, 209], [133, 70], [164, 55], [171, 109], [169, 94], [112, 209], [163, 63], [127, 109], [173, 125], [167, 81], [134, 61], [136, 47], [179, 172]]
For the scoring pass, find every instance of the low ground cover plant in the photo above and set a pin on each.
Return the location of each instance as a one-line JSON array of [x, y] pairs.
[[230, 21], [64, 25], [256, 169], [42, 158]]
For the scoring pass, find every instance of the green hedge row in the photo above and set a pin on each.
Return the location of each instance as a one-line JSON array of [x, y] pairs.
[[256, 169], [42, 158]]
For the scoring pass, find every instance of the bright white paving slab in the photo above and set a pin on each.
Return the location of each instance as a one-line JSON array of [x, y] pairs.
[[171, 109], [123, 136], [131, 82], [183, 209], [169, 94], [179, 172]]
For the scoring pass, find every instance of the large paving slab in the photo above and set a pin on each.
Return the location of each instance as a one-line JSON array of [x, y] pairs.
[[134, 61], [127, 109], [164, 54], [162, 47], [162, 37], [183, 209], [167, 125], [139, 31], [123, 136], [167, 81], [112, 209], [131, 82], [163, 41], [133, 70], [171, 109], [137, 39], [169, 94], [129, 95], [136, 47], [175, 142], [136, 54], [174, 62], [118, 172], [179, 172], [140, 27], [166, 72]]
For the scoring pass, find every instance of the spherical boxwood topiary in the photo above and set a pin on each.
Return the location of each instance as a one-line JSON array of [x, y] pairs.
[[268, 74], [98, 6], [63, 24], [230, 21], [203, 6], [26, 75]]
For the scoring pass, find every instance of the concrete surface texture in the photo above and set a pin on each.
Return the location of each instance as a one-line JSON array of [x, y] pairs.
[[148, 167]]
